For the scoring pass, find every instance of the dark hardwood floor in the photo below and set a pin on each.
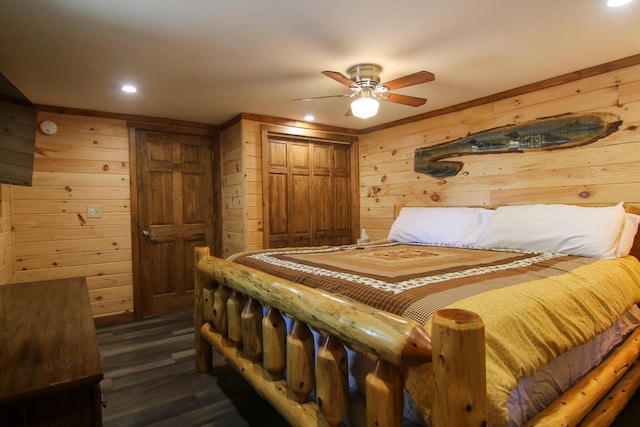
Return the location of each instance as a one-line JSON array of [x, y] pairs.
[[150, 380]]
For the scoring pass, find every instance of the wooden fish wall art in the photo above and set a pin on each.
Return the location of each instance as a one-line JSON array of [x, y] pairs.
[[549, 133]]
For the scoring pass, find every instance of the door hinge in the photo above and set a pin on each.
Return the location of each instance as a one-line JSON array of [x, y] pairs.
[[213, 155]]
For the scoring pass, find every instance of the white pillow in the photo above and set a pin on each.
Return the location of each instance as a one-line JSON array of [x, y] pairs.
[[629, 231], [441, 226], [567, 229]]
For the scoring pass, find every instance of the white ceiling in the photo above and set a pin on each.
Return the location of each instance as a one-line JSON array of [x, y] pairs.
[[209, 60]]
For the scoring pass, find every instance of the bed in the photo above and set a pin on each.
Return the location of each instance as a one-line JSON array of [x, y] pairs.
[[463, 315]]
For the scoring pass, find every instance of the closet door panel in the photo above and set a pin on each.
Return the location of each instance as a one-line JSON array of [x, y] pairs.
[[278, 211], [300, 211]]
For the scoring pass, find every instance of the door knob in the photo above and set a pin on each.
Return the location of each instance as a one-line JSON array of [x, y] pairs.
[[145, 234]]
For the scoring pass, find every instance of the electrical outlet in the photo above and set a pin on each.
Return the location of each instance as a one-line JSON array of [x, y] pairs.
[[94, 211]]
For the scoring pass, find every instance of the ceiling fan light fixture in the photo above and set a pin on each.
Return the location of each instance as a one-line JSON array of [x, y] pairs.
[[365, 107]]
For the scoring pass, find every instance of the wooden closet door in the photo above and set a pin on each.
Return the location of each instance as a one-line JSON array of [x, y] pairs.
[[342, 196], [277, 196], [308, 193]]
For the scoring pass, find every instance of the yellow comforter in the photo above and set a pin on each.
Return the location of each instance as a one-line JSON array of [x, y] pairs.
[[532, 323]]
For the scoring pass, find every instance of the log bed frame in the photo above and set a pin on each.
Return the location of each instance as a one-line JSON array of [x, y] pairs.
[[229, 301]]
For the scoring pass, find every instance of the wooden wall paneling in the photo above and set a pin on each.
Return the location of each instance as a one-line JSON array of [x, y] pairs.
[[251, 137], [108, 293], [63, 272], [6, 235], [104, 282], [43, 220], [603, 172], [65, 233], [81, 166], [63, 206], [599, 85], [89, 179], [629, 92], [426, 132], [57, 148], [68, 192], [85, 163], [67, 260], [233, 190], [593, 194]]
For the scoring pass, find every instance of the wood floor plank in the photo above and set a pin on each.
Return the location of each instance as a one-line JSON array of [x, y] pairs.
[[150, 380]]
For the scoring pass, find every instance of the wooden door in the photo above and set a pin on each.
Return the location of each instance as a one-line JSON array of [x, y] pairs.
[[308, 193], [175, 214]]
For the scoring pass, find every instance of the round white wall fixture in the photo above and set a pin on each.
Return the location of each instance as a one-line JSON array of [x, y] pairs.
[[48, 127]]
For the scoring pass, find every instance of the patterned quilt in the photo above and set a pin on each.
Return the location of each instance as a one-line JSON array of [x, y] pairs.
[[411, 280]]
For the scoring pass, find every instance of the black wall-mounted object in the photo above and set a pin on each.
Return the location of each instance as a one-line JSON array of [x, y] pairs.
[[18, 124]]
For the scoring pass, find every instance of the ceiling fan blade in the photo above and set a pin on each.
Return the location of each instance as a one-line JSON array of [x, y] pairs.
[[405, 100], [340, 78], [323, 97], [410, 80]]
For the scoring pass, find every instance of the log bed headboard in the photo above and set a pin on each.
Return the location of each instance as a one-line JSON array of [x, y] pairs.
[[635, 250]]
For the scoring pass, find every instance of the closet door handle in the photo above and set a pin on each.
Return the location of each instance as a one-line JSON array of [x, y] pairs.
[[146, 234]]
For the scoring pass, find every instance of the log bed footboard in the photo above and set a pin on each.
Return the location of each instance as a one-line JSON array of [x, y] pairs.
[[239, 312]]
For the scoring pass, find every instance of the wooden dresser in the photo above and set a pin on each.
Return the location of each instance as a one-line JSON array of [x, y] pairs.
[[50, 368]]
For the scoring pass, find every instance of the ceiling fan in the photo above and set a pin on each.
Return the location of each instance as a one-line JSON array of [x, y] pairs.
[[364, 82]]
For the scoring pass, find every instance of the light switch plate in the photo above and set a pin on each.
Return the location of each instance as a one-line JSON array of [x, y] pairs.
[[94, 211]]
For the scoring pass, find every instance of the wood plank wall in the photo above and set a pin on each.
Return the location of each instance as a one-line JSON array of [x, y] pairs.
[[242, 187], [253, 170], [85, 163], [6, 236], [604, 172], [233, 190]]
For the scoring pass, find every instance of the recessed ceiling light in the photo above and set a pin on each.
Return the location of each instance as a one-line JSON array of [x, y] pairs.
[[309, 118], [129, 89], [616, 3]]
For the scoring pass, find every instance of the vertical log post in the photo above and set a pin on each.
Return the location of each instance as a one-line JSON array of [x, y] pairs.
[[384, 396], [204, 353], [274, 336], [235, 304], [251, 321], [207, 302], [300, 361], [459, 369], [220, 297], [332, 381]]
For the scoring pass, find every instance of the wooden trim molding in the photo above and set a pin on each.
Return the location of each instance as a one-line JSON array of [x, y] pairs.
[[288, 123], [126, 117]]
